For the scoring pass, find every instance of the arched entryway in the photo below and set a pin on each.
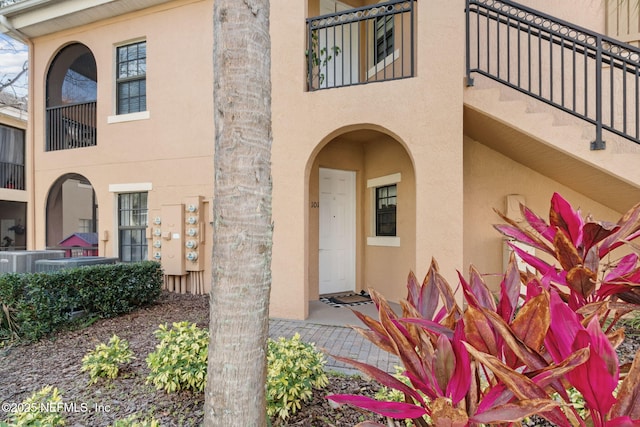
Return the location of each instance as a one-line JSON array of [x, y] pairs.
[[362, 216], [72, 83], [71, 208]]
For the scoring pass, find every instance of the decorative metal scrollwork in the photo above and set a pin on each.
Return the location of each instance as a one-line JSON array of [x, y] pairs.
[[546, 24], [360, 14]]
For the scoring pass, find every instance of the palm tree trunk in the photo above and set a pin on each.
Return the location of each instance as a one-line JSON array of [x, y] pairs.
[[242, 229]]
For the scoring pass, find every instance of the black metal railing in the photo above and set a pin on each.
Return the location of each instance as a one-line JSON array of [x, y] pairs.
[[12, 176], [359, 46], [581, 72], [71, 126]]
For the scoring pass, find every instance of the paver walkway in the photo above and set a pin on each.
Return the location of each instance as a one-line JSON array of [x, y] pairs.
[[338, 340]]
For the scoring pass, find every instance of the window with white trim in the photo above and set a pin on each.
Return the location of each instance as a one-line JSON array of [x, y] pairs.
[[132, 224], [386, 202], [384, 205], [131, 82]]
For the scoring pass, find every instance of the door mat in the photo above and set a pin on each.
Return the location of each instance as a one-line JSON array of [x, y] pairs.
[[347, 300]]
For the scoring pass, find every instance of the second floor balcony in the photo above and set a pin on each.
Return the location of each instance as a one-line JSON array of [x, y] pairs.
[[71, 126], [362, 45], [12, 176], [12, 158], [72, 82]]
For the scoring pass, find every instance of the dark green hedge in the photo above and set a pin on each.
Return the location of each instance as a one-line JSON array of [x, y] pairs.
[[41, 303]]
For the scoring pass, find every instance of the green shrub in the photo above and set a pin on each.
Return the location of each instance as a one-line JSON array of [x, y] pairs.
[[294, 369], [105, 360], [43, 408], [180, 360], [111, 290], [41, 303], [134, 421]]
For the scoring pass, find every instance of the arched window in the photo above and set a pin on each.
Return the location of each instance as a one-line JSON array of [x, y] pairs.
[[71, 99]]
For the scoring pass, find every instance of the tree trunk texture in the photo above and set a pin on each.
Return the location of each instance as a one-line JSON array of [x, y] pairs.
[[242, 228]]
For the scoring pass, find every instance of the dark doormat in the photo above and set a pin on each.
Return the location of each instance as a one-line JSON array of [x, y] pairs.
[[347, 299]]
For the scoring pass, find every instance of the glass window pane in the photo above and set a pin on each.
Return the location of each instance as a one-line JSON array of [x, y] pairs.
[[133, 89], [123, 91], [136, 253], [386, 210], [125, 253], [133, 223], [132, 68], [125, 237]]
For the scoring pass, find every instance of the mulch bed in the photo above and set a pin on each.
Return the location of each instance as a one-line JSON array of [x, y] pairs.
[[56, 361]]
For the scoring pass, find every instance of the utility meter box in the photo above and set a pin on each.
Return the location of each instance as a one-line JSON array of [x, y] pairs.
[[194, 231], [170, 234]]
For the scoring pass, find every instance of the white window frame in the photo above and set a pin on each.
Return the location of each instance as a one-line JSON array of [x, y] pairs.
[[126, 117], [389, 59], [372, 185], [116, 190]]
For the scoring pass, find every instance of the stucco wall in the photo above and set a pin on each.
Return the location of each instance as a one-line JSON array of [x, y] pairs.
[[424, 113], [489, 178], [387, 267], [172, 149]]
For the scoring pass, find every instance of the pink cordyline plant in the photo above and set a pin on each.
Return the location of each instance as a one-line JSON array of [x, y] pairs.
[[503, 357]]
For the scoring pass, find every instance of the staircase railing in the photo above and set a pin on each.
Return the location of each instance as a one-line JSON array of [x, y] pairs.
[[581, 72]]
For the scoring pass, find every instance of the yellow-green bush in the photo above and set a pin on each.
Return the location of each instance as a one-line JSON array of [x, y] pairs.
[[180, 360], [294, 369], [42, 408], [105, 360]]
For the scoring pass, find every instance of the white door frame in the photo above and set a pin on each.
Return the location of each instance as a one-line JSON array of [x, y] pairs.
[[337, 231]]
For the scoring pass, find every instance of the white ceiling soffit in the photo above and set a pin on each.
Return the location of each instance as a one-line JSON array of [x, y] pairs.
[[35, 18]]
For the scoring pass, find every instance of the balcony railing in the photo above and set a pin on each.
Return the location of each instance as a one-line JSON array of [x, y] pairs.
[[12, 176], [583, 73], [71, 126], [359, 46]]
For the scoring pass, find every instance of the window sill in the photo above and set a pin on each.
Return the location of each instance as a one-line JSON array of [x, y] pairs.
[[384, 63], [142, 115], [384, 241]]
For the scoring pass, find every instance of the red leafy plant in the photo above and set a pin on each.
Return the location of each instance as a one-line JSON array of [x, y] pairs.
[[502, 358]]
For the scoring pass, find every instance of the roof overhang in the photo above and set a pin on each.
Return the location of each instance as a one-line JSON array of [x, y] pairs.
[[35, 18]]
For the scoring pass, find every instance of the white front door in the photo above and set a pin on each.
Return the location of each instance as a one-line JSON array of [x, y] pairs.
[[337, 266]]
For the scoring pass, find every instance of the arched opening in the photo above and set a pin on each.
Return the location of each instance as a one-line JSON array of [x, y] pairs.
[[72, 83], [362, 215], [72, 215]]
